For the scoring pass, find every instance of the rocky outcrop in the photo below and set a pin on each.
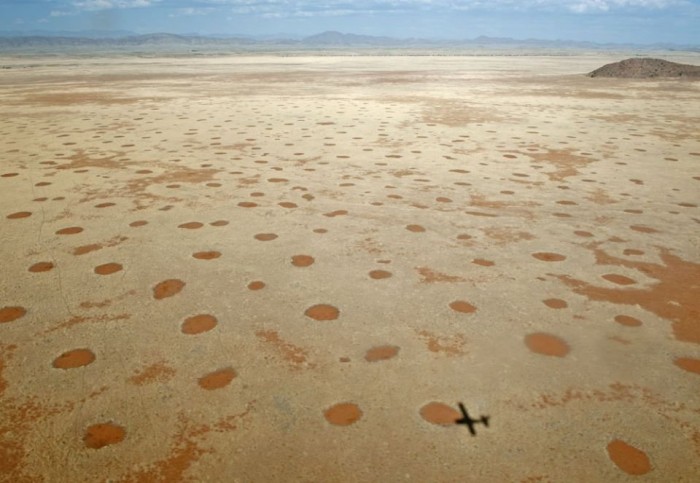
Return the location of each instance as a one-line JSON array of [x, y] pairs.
[[646, 69]]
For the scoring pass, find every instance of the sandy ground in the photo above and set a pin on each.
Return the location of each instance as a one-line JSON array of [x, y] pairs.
[[257, 269]]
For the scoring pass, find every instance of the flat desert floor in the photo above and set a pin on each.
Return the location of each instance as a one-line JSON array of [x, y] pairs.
[[258, 269]]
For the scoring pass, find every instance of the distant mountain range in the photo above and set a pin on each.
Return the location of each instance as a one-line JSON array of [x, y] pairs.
[[325, 40]]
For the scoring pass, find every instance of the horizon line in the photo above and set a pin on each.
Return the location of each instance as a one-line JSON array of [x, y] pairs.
[[126, 34]]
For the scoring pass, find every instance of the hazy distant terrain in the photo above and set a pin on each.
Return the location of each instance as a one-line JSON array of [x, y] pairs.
[[333, 41]]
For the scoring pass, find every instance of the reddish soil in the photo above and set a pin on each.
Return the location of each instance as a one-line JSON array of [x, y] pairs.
[[104, 434], [439, 413], [343, 414], [629, 459], [217, 379], [198, 324], [322, 312], [74, 358], [381, 353], [168, 288], [547, 344]]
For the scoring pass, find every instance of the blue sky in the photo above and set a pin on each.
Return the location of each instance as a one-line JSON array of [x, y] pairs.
[[638, 21]]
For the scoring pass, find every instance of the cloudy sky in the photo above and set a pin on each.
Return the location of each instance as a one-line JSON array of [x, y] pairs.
[[639, 21]]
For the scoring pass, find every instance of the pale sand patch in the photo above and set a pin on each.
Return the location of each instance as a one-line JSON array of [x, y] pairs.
[[293, 268]]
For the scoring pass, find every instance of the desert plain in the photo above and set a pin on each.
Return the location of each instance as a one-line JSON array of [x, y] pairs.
[[293, 268]]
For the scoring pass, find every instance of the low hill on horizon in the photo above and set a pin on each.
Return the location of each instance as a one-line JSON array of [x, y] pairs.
[[646, 68]]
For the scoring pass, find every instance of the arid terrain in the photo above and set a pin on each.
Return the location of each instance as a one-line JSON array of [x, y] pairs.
[[276, 269]]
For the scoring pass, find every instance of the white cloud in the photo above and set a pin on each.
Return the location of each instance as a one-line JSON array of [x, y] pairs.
[[61, 13], [191, 12], [584, 6], [319, 13], [310, 8], [280, 8], [111, 4]]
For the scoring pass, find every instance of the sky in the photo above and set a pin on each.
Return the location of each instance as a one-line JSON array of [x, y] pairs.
[[618, 21]]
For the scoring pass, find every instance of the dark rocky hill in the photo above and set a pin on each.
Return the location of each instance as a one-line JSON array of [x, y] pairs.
[[645, 69]]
